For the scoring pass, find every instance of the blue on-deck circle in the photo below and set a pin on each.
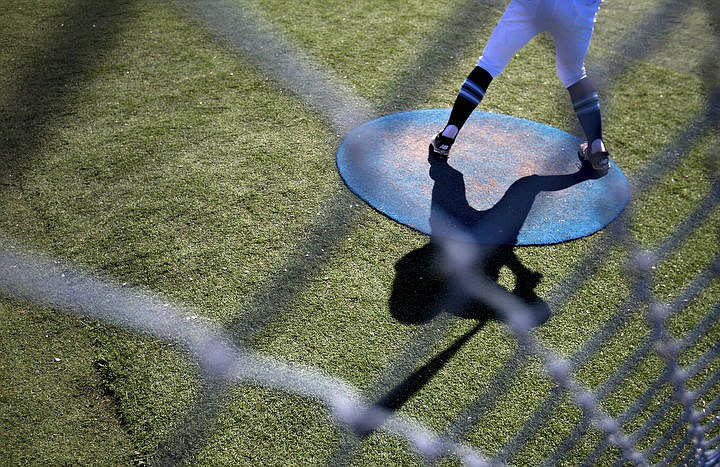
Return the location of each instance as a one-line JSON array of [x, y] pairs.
[[507, 181]]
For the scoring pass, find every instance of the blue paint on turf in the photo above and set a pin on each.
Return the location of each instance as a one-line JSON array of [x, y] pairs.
[[507, 181]]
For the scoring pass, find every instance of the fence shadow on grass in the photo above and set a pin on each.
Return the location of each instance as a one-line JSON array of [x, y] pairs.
[[41, 97]]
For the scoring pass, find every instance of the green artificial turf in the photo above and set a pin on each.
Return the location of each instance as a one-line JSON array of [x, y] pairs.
[[138, 144]]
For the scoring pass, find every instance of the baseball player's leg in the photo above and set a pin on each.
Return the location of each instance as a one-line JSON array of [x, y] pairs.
[[572, 39], [572, 30], [512, 32], [469, 97], [586, 104], [515, 28]]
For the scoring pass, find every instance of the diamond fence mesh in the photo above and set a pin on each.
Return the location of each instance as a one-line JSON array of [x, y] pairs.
[[674, 420]]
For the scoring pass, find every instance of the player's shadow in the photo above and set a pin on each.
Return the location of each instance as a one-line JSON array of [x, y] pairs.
[[426, 281], [466, 241]]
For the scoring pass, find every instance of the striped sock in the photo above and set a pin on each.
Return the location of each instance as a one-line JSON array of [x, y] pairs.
[[470, 95], [472, 91], [587, 109]]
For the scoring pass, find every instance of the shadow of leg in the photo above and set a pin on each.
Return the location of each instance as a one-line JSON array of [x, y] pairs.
[[418, 287]]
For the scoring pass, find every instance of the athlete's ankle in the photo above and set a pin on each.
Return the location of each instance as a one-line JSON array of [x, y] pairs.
[[598, 145], [450, 131]]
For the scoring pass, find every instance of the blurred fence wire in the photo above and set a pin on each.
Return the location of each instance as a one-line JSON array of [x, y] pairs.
[[694, 433]]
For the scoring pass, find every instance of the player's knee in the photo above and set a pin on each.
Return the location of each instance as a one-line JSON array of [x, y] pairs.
[[493, 67], [571, 77]]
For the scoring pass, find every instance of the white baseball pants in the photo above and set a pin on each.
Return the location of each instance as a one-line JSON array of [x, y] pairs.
[[570, 22]]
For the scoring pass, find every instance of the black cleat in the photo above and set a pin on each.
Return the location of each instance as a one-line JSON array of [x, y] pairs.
[[441, 144], [599, 161]]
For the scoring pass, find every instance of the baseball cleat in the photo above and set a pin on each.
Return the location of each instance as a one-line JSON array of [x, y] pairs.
[[441, 144], [599, 160]]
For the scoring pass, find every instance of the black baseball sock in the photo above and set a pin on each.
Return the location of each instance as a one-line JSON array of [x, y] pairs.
[[586, 103], [471, 93]]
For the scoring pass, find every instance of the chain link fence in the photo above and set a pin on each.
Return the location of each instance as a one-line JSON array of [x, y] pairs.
[[683, 399]]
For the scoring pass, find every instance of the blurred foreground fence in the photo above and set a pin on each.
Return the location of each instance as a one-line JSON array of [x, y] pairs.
[[693, 428]]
